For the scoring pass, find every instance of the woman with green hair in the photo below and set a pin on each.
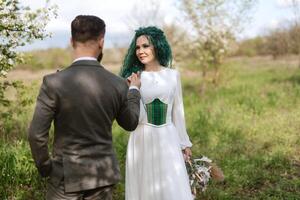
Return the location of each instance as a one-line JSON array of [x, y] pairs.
[[157, 149]]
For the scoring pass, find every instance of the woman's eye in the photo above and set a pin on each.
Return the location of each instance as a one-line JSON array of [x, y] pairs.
[[146, 45], [137, 47]]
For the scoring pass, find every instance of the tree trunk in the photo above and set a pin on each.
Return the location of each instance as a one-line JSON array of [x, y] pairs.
[[203, 84], [216, 76], [299, 59]]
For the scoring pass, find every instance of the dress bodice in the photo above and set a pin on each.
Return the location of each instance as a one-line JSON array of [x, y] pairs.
[[158, 85], [157, 93]]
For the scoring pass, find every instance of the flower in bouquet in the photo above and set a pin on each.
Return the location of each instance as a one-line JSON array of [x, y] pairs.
[[200, 171]]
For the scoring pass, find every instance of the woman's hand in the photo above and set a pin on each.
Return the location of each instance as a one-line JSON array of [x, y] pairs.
[[187, 153]]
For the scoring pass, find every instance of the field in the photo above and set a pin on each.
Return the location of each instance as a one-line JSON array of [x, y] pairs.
[[249, 125]]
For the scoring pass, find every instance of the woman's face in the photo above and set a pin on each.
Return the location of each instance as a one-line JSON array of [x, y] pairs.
[[144, 50]]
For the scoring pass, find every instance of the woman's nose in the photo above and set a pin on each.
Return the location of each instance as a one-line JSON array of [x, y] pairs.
[[140, 51]]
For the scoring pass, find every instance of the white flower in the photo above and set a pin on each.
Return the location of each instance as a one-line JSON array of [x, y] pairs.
[[3, 73], [204, 158]]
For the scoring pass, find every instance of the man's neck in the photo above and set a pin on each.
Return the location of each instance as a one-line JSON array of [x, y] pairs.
[[84, 54], [86, 50]]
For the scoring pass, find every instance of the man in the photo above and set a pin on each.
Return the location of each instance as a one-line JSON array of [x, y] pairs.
[[83, 100]]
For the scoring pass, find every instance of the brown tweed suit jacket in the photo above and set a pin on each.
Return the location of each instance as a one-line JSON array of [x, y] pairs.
[[83, 101]]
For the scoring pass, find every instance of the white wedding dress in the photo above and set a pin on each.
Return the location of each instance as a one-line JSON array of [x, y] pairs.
[[155, 167]]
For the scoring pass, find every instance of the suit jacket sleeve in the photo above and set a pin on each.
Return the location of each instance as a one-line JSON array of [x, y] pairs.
[[39, 129], [128, 116]]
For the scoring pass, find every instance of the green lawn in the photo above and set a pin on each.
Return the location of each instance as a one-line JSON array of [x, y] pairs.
[[249, 125]]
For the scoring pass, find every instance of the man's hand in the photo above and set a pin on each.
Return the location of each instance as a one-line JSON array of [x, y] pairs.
[[134, 80]]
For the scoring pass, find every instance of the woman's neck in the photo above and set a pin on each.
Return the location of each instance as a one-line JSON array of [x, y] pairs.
[[155, 66]]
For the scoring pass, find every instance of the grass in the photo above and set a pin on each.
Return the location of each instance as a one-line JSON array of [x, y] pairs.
[[19, 179], [249, 125]]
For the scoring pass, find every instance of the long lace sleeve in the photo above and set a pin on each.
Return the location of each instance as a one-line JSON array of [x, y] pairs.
[[178, 115]]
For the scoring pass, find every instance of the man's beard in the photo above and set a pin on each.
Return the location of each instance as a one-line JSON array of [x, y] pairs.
[[100, 57]]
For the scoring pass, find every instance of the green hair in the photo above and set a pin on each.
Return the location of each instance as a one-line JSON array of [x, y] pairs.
[[162, 50]]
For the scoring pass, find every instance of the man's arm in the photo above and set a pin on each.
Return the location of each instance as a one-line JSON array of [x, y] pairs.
[[39, 129], [128, 117]]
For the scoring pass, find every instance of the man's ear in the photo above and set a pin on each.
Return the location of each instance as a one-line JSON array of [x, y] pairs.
[[101, 42]]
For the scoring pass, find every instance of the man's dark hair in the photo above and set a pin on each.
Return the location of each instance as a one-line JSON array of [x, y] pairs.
[[87, 27]]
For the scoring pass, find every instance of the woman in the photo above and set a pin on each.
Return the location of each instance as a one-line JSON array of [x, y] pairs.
[[155, 167]]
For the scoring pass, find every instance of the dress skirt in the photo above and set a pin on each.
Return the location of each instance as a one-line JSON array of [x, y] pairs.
[[155, 167]]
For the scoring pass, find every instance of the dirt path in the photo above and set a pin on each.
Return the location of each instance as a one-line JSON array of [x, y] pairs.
[[29, 75]]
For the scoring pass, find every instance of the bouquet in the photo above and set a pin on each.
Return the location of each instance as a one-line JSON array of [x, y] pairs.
[[200, 171]]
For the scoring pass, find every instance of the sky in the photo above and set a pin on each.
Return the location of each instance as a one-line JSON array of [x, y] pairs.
[[117, 13]]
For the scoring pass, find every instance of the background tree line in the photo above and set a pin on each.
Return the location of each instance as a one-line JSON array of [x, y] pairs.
[[281, 41]]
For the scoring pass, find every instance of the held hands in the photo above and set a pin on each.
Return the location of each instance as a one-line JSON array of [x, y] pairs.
[[134, 80], [187, 153]]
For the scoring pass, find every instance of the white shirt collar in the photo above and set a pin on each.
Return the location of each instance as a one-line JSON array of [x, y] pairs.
[[84, 58]]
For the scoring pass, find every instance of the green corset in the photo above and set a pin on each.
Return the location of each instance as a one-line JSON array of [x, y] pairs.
[[156, 112]]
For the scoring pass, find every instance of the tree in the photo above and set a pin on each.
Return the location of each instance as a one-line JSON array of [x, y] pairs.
[[278, 43], [252, 47], [18, 27], [179, 39], [145, 13], [295, 29], [214, 24]]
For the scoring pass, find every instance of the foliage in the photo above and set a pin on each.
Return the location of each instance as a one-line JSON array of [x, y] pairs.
[[59, 58], [145, 13], [280, 41], [252, 47], [277, 42], [179, 40], [215, 23], [19, 178], [54, 58], [245, 126], [18, 172], [18, 26], [295, 28], [16, 111]]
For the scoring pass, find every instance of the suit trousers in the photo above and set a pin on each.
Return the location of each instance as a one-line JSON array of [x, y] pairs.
[[58, 193]]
